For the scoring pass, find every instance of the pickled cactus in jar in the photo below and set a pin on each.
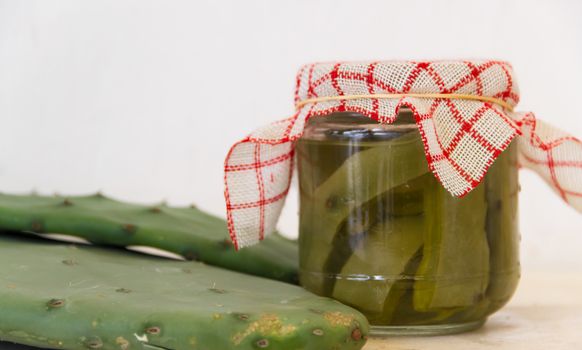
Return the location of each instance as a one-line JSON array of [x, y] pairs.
[[380, 233]]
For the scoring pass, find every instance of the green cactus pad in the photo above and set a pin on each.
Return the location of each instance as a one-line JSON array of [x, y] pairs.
[[60, 296], [188, 232]]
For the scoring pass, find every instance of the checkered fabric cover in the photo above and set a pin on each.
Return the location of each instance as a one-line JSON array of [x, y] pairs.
[[461, 137]]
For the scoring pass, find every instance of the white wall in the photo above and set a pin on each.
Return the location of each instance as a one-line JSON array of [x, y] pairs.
[[142, 99]]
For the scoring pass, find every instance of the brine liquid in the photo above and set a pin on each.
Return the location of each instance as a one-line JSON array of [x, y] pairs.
[[380, 233]]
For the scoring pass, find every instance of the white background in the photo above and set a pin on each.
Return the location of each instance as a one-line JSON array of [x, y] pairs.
[[142, 99]]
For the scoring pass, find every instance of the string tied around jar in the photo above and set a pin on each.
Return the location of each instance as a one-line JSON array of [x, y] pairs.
[[464, 111]]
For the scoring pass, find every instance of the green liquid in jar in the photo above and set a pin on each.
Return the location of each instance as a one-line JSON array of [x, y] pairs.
[[380, 233]]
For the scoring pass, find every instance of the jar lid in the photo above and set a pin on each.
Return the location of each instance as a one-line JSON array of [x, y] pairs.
[[463, 110]]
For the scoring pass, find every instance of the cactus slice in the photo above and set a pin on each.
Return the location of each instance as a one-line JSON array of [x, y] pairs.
[[114, 299], [187, 232]]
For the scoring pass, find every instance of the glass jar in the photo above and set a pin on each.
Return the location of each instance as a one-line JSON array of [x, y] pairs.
[[380, 233]]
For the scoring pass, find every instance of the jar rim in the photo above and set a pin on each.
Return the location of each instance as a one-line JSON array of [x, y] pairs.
[[353, 125]]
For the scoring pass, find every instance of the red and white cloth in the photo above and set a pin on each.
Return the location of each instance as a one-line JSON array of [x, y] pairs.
[[462, 137]]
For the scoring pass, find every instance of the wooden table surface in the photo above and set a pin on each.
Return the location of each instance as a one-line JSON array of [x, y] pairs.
[[544, 314]]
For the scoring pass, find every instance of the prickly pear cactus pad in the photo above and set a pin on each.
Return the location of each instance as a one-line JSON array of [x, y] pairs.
[[55, 295], [188, 232]]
